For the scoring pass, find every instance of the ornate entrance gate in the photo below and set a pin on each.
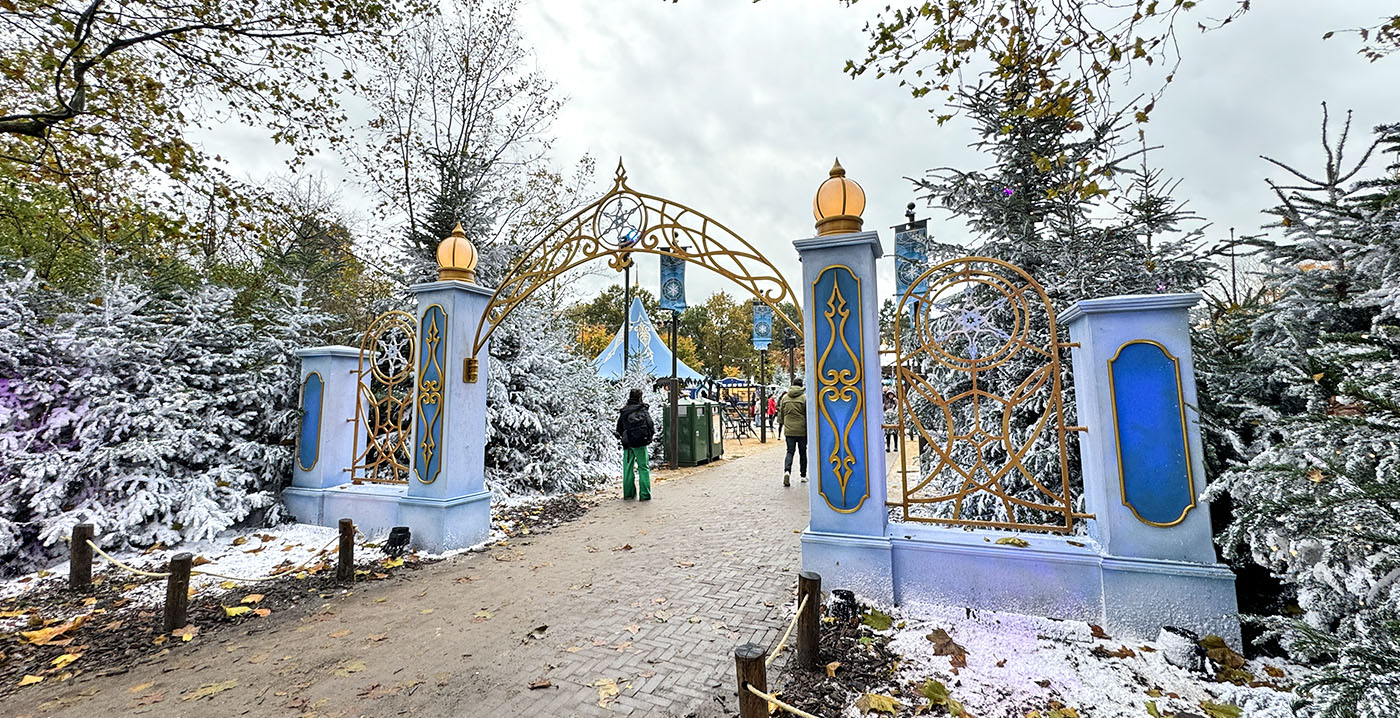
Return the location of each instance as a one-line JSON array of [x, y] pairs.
[[625, 221], [978, 388], [384, 400]]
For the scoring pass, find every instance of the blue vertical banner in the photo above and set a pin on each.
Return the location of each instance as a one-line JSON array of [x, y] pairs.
[[762, 326], [910, 257], [843, 477], [672, 283], [432, 378]]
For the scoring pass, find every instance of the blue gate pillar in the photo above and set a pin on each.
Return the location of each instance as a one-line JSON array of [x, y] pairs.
[[846, 541], [326, 437], [447, 505], [1135, 389]]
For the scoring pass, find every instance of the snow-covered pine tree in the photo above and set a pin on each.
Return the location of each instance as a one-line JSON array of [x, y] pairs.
[[1318, 502]]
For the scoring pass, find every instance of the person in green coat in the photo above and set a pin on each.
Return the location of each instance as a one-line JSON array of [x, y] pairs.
[[792, 416], [635, 430]]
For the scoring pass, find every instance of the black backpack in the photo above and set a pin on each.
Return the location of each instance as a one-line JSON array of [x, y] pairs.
[[637, 429]]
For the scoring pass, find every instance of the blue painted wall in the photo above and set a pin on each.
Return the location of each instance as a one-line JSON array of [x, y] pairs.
[[309, 447], [1150, 421]]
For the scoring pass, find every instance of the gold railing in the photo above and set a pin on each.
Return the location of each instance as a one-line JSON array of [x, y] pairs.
[[978, 391], [384, 400]]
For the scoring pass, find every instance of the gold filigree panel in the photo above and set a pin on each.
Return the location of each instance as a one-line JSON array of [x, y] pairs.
[[978, 390], [384, 400]]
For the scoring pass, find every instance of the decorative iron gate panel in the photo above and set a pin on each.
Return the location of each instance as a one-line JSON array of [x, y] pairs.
[[978, 388], [384, 400]]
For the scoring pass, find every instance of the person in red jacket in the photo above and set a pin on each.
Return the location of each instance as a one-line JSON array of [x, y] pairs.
[[772, 411]]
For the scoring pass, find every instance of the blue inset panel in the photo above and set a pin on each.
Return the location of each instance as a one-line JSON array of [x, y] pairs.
[[840, 452], [1149, 418], [313, 389], [432, 357]]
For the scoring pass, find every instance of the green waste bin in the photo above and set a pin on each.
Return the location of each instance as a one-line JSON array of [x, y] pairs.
[[716, 431], [699, 436], [694, 440]]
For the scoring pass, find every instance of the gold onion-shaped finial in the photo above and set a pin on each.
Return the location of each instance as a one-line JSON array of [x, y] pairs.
[[456, 256], [838, 204]]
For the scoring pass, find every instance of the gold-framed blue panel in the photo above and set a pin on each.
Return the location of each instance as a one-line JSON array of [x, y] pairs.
[[1149, 422], [313, 390], [843, 477], [432, 358]]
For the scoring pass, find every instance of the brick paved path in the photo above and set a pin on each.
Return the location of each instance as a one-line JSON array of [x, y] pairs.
[[712, 564]]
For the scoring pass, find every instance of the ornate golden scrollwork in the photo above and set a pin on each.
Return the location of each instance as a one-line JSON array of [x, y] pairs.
[[624, 221], [384, 400], [979, 387]]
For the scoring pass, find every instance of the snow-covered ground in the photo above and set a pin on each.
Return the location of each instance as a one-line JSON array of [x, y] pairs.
[[1019, 664]]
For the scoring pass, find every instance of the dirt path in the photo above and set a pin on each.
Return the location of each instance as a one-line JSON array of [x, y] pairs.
[[711, 564]]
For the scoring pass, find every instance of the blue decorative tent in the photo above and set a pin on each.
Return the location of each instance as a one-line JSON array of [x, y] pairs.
[[648, 351]]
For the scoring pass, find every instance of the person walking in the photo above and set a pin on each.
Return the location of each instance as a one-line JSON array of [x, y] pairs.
[[636, 430], [772, 411], [891, 417], [792, 415]]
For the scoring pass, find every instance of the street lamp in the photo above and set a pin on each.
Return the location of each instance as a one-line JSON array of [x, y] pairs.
[[790, 342]]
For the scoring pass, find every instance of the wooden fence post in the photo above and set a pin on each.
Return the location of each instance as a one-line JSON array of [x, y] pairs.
[[345, 570], [177, 592], [80, 558], [748, 662], [809, 586]]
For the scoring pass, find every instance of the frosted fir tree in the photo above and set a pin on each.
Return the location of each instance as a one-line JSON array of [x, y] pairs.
[[1318, 501], [1043, 207]]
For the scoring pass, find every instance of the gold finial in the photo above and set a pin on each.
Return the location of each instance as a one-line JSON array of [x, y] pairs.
[[838, 204], [456, 256]]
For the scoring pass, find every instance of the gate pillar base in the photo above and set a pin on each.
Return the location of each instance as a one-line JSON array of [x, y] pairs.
[[444, 524], [856, 563], [306, 506], [1141, 596], [373, 507]]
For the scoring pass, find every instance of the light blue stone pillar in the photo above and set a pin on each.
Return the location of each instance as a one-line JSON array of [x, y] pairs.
[[325, 438], [447, 505], [1135, 390], [846, 541]]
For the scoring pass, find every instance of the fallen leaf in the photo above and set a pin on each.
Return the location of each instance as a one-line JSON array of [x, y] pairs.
[[29, 680], [831, 669], [252, 598], [427, 611], [391, 562], [607, 691], [1273, 671], [537, 633], [255, 550], [262, 612], [1013, 541], [685, 564], [937, 694], [89, 601], [46, 636], [877, 620], [662, 616], [200, 561], [228, 585], [65, 659], [349, 668], [376, 637], [234, 611], [1122, 652], [187, 633], [624, 547], [1222, 654], [944, 645], [240, 541], [209, 689], [341, 633], [259, 658], [873, 703], [541, 683], [1097, 631], [149, 699], [1220, 710], [633, 629], [141, 687]]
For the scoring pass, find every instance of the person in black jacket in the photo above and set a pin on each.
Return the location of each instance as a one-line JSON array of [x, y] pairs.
[[636, 430]]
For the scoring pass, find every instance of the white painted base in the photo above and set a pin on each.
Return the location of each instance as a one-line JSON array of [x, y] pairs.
[[435, 525], [1055, 576]]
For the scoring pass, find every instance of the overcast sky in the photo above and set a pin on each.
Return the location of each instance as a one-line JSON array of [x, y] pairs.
[[737, 109]]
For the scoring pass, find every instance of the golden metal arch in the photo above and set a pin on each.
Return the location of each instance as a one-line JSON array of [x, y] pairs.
[[663, 227]]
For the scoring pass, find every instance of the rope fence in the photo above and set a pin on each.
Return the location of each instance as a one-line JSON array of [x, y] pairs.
[[82, 546], [751, 664]]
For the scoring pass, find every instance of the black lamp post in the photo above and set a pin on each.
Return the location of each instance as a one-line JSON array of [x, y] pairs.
[[790, 341], [675, 437]]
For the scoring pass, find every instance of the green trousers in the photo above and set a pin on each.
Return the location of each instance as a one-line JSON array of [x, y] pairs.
[[634, 462]]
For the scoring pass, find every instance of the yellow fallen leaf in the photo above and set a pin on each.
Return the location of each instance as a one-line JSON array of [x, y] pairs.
[[607, 691], [209, 689], [831, 669], [29, 680], [252, 598], [45, 574], [1013, 541], [349, 668], [232, 611], [65, 659], [159, 639], [426, 611], [90, 600], [45, 636], [483, 615], [391, 562], [262, 612], [240, 541], [871, 702], [187, 633], [228, 585]]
